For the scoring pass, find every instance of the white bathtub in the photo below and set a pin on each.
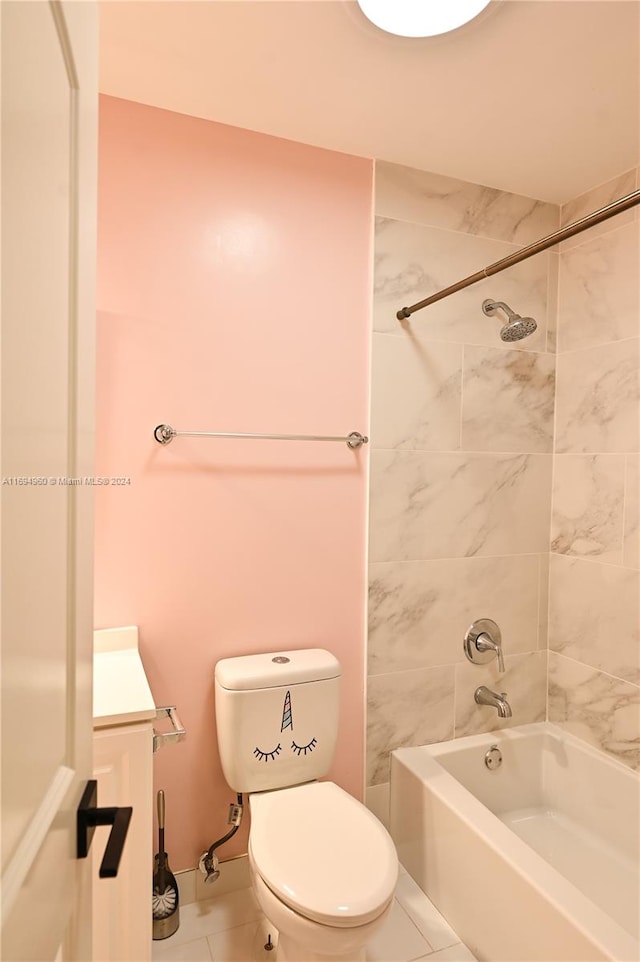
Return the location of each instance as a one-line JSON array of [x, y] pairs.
[[535, 860]]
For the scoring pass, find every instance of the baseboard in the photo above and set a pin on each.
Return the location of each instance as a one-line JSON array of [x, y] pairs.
[[234, 874]]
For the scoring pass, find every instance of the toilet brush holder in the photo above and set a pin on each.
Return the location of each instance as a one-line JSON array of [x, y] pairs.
[[165, 903]]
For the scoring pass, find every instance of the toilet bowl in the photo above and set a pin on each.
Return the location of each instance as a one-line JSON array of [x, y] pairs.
[[301, 940], [323, 870]]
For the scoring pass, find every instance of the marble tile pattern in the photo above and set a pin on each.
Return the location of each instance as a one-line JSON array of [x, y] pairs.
[[441, 505], [416, 403], [631, 545], [508, 399], [597, 399], [603, 710], [419, 611], [419, 196], [553, 275], [593, 200], [588, 506], [599, 295], [434, 498], [594, 607], [406, 708], [543, 601], [462, 440], [593, 615], [413, 261]]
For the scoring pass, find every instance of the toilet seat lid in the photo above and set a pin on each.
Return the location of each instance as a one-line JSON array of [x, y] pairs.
[[323, 853]]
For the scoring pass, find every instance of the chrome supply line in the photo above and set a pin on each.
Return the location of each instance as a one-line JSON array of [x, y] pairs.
[[164, 434], [590, 220]]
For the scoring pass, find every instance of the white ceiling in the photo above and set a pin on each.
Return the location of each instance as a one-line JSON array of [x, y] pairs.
[[539, 97]]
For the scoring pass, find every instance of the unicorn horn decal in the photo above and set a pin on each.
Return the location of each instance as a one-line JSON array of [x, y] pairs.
[[287, 720]]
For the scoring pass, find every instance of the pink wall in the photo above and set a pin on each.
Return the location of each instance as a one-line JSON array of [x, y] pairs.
[[234, 295]]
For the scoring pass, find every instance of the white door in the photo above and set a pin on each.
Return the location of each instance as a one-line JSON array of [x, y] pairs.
[[49, 168]]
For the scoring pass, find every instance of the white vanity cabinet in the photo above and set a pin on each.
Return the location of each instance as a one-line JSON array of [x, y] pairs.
[[123, 716]]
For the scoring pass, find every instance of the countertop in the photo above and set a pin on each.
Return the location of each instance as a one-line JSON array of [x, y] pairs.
[[121, 692]]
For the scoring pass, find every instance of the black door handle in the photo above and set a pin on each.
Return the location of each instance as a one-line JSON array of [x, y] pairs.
[[88, 816]]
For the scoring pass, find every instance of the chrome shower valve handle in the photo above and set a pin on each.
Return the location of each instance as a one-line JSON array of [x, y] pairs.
[[483, 642]]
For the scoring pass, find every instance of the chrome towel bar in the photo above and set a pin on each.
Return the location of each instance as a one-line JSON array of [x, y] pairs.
[[178, 732], [164, 434]]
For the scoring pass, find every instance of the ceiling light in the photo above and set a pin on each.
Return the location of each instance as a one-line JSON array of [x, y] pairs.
[[421, 18]]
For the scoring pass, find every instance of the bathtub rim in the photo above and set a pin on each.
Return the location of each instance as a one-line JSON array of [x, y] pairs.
[[592, 922], [518, 732]]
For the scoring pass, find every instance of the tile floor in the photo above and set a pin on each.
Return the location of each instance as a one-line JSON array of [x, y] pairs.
[[231, 928]]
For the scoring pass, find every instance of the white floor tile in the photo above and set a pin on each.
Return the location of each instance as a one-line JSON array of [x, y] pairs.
[[398, 940], [231, 928], [166, 950], [245, 943], [455, 953], [424, 914], [206, 917]]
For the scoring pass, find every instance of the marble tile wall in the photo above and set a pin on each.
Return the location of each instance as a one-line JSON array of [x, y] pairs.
[[461, 462], [594, 610]]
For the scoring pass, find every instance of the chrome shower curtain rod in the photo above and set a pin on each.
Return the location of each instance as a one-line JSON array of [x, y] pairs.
[[590, 220]]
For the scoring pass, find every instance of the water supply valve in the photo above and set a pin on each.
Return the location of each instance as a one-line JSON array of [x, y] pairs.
[[209, 864]]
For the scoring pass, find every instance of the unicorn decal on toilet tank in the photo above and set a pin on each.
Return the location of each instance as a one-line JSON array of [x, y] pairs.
[[277, 718], [287, 722]]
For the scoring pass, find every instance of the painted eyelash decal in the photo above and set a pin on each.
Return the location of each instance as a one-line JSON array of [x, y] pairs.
[[260, 755], [299, 749]]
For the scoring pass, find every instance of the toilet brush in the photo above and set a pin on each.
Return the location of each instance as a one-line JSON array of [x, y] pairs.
[[166, 912]]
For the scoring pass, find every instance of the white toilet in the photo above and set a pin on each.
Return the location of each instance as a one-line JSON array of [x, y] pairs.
[[323, 867]]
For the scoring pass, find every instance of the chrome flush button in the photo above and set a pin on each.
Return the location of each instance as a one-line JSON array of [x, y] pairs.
[[493, 758], [281, 660]]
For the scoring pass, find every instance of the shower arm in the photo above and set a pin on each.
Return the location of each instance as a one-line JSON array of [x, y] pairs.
[[590, 220], [490, 307]]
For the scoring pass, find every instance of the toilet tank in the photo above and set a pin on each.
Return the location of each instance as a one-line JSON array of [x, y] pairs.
[[276, 717]]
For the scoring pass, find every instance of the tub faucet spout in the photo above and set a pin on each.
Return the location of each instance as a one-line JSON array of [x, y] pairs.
[[484, 696]]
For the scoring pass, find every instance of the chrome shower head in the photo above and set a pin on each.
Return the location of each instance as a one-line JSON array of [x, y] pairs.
[[516, 327]]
